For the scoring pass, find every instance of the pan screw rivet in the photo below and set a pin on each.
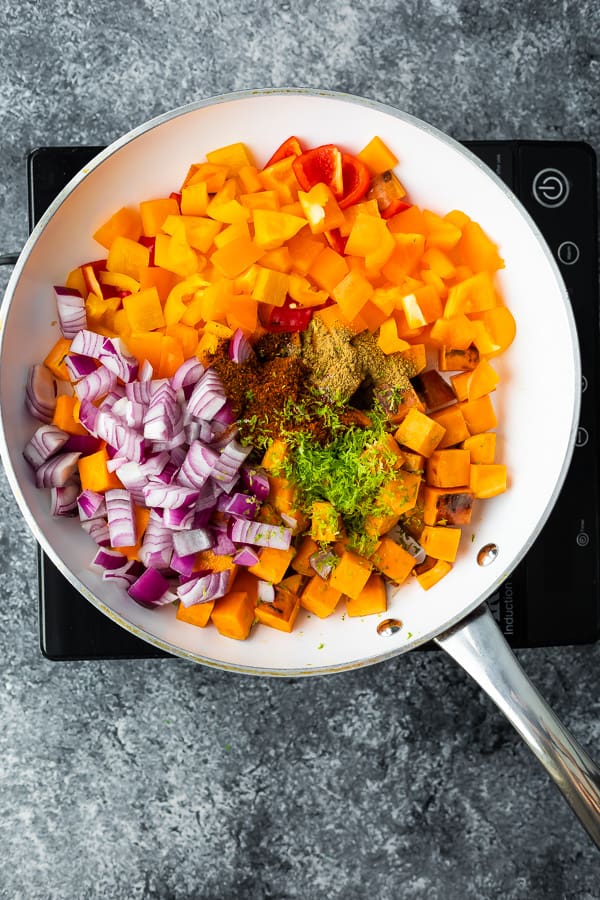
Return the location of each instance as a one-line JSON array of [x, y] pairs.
[[389, 626], [487, 554]]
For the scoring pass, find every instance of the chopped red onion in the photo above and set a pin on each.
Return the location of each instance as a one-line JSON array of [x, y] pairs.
[[188, 373], [91, 504], [126, 575], [193, 541], [203, 588], [106, 559], [57, 470], [121, 518], [47, 440], [198, 465], [40, 393], [63, 500], [260, 534], [179, 519], [183, 565], [163, 420], [88, 413], [83, 443], [157, 544], [150, 588], [110, 429], [207, 398], [117, 358], [225, 415], [323, 562], [240, 349], [245, 556], [229, 461], [169, 496], [79, 366], [71, 311], [98, 530], [239, 504], [266, 591], [223, 545], [96, 384], [256, 481], [145, 371], [87, 343]]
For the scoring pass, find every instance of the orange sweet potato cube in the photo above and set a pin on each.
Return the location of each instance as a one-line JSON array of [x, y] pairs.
[[351, 574], [393, 560], [441, 542], [448, 468], [419, 432], [198, 614], [320, 597], [371, 600], [233, 615]]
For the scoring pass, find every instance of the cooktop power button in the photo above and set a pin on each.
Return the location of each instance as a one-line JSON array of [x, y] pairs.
[[550, 187]]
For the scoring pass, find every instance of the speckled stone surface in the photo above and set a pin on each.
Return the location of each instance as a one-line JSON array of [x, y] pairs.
[[159, 779]]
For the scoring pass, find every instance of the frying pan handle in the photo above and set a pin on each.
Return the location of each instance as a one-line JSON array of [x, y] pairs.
[[478, 645]]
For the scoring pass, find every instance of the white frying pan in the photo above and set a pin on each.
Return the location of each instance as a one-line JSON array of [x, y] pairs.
[[537, 403]]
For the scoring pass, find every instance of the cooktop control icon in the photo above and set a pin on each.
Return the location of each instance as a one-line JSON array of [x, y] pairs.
[[550, 187]]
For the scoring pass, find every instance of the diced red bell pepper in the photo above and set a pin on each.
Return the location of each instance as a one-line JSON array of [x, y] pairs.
[[290, 147], [356, 180], [286, 318], [335, 240], [175, 195], [389, 193], [321, 165], [149, 242]]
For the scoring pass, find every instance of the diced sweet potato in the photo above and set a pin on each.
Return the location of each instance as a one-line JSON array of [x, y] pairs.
[[452, 359], [448, 468], [300, 562], [453, 421], [482, 447], [420, 433], [433, 389], [351, 574], [372, 599], [488, 480], [441, 542], [320, 597], [281, 614], [199, 614], [434, 573], [447, 506], [393, 560], [479, 414], [272, 564], [233, 615]]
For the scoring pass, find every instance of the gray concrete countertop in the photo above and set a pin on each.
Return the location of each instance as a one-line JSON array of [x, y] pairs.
[[139, 779]]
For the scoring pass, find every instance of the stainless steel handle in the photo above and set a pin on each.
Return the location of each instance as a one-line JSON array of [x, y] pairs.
[[478, 645]]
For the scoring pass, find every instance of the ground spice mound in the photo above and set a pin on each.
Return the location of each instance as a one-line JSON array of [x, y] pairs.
[[259, 391]]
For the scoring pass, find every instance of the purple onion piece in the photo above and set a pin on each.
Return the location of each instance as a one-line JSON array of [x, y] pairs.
[[40, 393], [188, 373], [57, 471], [266, 591], [70, 306], [106, 559], [180, 519], [47, 440], [193, 541], [246, 556], [126, 575], [207, 398], [95, 385], [121, 518], [149, 589], [87, 343], [323, 562], [157, 544], [170, 496], [183, 565], [203, 588], [83, 443], [240, 349], [244, 505], [117, 358], [79, 366], [63, 500], [260, 534], [97, 530], [256, 481], [91, 504]]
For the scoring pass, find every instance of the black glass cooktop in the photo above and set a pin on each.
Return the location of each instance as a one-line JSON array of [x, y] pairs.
[[553, 597]]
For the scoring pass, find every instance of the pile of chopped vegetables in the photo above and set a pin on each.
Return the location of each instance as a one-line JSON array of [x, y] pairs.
[[273, 391]]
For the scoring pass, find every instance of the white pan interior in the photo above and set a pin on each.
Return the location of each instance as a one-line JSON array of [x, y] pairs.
[[537, 401]]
